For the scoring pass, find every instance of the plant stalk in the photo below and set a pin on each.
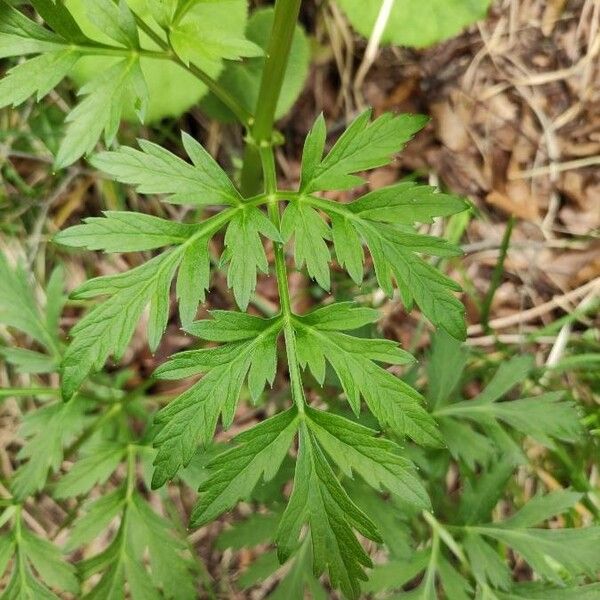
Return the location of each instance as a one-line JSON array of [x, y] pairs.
[[278, 49], [276, 60]]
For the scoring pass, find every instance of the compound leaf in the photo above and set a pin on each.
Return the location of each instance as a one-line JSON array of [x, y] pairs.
[[107, 328]]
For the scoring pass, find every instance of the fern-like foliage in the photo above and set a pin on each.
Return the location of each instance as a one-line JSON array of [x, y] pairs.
[[386, 446], [121, 87], [383, 221]]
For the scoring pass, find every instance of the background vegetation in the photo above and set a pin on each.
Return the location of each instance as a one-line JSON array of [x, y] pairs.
[[514, 102]]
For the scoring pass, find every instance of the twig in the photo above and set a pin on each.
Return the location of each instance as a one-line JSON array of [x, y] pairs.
[[568, 165], [537, 311], [372, 46]]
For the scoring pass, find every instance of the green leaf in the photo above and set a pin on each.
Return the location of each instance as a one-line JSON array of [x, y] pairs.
[[482, 492], [508, 375], [310, 232], [123, 231], [18, 307], [7, 549], [163, 11], [29, 552], [90, 471], [535, 591], [265, 565], [574, 549], [258, 454], [108, 327], [146, 552], [343, 316], [299, 578], [355, 448], [407, 203], [242, 79], [228, 18], [412, 23], [454, 584], [48, 562], [154, 170], [394, 574], [544, 418], [465, 444], [115, 20], [20, 36], [229, 326], [29, 361], [395, 257], [542, 507], [348, 247], [445, 368], [59, 18], [245, 252], [319, 501], [101, 109], [191, 418], [193, 279], [380, 219], [257, 529], [170, 566], [97, 517], [364, 145], [55, 299], [46, 431], [36, 76], [214, 46], [393, 402], [485, 562]]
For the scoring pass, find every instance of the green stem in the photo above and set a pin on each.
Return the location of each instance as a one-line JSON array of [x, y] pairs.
[[106, 50], [428, 584], [106, 417], [131, 450], [278, 49], [438, 529], [268, 163], [496, 277], [277, 54]]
